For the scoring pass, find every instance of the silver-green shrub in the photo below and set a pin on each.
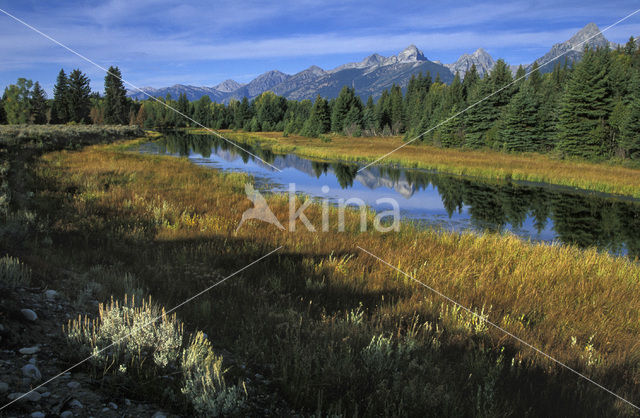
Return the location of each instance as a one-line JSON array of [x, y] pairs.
[[204, 384], [13, 273]]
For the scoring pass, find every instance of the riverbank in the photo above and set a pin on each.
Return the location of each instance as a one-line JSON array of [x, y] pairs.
[[329, 328], [603, 177]]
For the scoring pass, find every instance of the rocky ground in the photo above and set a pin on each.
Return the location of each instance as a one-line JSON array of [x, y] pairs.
[[33, 351], [35, 357]]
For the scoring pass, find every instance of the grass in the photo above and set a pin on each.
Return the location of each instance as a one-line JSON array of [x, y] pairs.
[[66, 133], [332, 329], [13, 273], [602, 177]]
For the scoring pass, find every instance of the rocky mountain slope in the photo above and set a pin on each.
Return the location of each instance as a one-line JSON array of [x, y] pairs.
[[373, 74], [481, 58], [573, 48]]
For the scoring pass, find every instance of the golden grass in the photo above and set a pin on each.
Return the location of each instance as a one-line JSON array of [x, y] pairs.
[[165, 215], [603, 177]]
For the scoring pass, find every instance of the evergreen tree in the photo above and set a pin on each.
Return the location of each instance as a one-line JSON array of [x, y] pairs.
[[17, 102], [397, 110], [60, 106], [630, 141], [521, 129], [3, 114], [630, 47], [535, 78], [202, 111], [470, 81], [369, 121], [343, 104], [585, 106], [242, 113], [38, 105], [79, 101], [383, 111], [520, 76], [116, 109], [183, 107], [455, 93], [319, 121]]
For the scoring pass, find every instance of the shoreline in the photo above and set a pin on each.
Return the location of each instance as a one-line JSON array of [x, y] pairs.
[[534, 169]]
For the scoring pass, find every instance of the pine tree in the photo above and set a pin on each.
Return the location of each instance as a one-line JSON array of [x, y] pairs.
[[38, 105], [630, 47], [585, 106], [369, 121], [78, 97], [492, 95], [397, 110], [319, 121], [520, 76], [470, 81], [383, 111], [3, 114], [343, 104], [535, 78], [183, 107], [116, 109], [60, 106], [521, 127], [202, 111], [630, 141]]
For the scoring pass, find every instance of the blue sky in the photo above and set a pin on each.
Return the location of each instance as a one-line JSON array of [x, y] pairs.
[[161, 43]]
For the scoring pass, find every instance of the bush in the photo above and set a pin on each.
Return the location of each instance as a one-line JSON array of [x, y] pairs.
[[13, 273], [66, 135], [127, 335], [139, 343], [204, 384]]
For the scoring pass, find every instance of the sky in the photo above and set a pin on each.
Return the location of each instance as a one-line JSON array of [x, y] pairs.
[[162, 43]]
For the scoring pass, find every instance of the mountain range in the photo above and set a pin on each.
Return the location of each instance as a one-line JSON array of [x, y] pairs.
[[372, 75]]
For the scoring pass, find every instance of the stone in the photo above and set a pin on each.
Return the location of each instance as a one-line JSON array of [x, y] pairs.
[[29, 314], [37, 414], [4, 388], [159, 414], [31, 372], [33, 396], [30, 396], [73, 385], [50, 294], [45, 394], [76, 404], [112, 405], [66, 414], [29, 350]]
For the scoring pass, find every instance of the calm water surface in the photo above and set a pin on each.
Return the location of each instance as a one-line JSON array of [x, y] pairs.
[[537, 212]]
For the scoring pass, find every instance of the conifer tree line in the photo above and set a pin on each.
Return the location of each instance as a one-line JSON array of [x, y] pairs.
[[73, 102], [589, 109]]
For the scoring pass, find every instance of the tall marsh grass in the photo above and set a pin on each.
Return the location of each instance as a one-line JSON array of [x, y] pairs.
[[601, 177], [333, 329], [13, 273]]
